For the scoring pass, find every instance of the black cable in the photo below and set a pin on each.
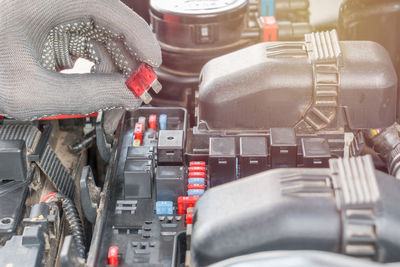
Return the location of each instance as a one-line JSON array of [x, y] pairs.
[[74, 223], [86, 143]]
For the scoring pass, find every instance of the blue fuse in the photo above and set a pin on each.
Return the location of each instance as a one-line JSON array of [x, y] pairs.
[[196, 181], [267, 8], [195, 192], [163, 121], [164, 208]]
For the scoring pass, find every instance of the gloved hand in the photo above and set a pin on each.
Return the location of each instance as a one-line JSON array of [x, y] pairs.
[[40, 37]]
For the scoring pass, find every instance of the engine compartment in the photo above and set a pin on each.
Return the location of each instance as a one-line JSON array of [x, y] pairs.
[[272, 140]]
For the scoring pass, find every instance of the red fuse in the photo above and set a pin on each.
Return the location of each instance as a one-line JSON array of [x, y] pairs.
[[139, 128], [197, 169], [153, 121], [195, 186], [186, 202], [197, 174], [141, 80], [113, 259], [189, 218], [270, 27], [197, 164]]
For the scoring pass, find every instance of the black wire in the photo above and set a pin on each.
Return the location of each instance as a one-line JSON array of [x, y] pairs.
[[74, 223]]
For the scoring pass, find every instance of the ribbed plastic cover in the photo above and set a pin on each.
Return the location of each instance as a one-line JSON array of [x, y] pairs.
[[357, 180], [350, 208]]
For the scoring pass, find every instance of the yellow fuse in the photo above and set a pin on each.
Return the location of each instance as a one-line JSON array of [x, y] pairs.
[[137, 142]]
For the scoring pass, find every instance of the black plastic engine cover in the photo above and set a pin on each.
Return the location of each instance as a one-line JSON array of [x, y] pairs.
[[271, 85], [349, 208]]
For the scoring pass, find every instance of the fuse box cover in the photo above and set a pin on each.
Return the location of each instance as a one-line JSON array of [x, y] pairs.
[[271, 85]]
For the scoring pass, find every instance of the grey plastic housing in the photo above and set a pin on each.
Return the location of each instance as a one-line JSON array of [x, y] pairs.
[[258, 89], [291, 209]]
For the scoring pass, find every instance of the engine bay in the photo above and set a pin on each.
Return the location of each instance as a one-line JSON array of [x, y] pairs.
[[272, 141]]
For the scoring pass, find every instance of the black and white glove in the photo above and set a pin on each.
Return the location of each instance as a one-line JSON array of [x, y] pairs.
[[40, 37]]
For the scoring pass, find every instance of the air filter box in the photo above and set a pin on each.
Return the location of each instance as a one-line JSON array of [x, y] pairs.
[[313, 85], [197, 29]]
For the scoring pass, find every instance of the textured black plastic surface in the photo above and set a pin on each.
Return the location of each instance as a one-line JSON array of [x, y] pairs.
[[271, 85], [11, 210], [13, 162], [130, 222], [299, 209]]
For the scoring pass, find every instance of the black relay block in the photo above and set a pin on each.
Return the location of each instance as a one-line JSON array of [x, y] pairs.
[[316, 152], [170, 183], [138, 176], [283, 148], [222, 160], [253, 155]]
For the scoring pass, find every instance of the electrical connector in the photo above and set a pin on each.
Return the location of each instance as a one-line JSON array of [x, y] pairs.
[[140, 82]]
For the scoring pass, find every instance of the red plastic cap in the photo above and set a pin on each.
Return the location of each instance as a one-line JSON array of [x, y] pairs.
[[197, 164], [153, 121], [112, 258]]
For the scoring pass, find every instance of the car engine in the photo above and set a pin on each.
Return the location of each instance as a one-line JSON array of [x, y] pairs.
[[274, 141]]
